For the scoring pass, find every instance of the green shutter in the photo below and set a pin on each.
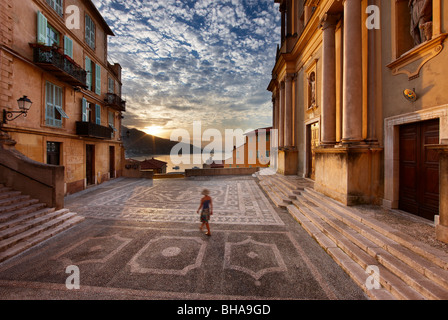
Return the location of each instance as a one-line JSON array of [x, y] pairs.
[[68, 47], [41, 28], [84, 110], [89, 73], [97, 79], [98, 114]]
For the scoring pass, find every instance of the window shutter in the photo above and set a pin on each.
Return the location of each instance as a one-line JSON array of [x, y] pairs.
[[41, 28], [98, 114], [68, 47], [84, 110], [89, 73], [97, 79]]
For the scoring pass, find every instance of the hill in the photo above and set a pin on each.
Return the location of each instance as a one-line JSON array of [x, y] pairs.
[[140, 143]]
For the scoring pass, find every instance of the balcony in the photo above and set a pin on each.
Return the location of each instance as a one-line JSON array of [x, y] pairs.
[[114, 101], [92, 130], [60, 65]]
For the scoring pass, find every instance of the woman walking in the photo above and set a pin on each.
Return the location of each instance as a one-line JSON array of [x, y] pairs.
[[207, 210]]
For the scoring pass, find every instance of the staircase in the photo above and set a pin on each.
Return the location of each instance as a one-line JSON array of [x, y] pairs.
[[408, 269], [24, 222]]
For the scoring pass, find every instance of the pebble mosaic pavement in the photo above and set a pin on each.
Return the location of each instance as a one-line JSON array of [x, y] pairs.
[[141, 240]]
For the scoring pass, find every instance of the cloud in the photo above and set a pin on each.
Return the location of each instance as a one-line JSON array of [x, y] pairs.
[[192, 60]]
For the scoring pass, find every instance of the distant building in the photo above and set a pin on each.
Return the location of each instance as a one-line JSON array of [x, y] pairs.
[[75, 118], [153, 164], [218, 164], [255, 152]]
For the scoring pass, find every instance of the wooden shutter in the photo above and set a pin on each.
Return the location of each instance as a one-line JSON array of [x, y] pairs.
[[97, 79], [41, 28], [68, 47], [98, 114], [84, 110], [89, 73]]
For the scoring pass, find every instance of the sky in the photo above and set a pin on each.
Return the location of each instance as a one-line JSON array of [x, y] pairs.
[[194, 60]]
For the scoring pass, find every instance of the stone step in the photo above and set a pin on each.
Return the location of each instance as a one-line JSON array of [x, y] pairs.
[[365, 240], [281, 198], [272, 195], [285, 181], [290, 193], [4, 189], [18, 219], [4, 217], [9, 194], [40, 237], [11, 200], [17, 205], [24, 236], [31, 223], [353, 269], [435, 256], [330, 240]]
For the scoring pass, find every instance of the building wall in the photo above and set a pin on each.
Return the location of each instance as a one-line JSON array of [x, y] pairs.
[[430, 86], [21, 76], [242, 158]]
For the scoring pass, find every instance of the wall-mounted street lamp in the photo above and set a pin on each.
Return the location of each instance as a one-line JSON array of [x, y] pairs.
[[24, 105]]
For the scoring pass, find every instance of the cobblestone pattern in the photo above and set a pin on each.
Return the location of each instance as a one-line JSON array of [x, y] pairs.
[[234, 201]]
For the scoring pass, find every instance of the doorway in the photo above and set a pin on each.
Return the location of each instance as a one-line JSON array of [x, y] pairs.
[[419, 169], [111, 162], [90, 164], [313, 131]]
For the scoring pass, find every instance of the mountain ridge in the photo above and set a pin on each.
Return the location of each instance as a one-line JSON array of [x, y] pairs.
[[139, 143]]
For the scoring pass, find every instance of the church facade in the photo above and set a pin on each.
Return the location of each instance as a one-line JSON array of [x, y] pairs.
[[360, 104]]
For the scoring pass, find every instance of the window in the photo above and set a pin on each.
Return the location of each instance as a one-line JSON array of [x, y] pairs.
[[52, 36], [88, 68], [91, 112], [93, 72], [98, 114], [90, 32], [110, 85], [112, 122], [57, 5], [68, 47], [53, 153], [97, 79], [53, 105], [46, 34]]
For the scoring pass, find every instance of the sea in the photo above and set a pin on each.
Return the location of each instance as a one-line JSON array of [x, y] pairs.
[[182, 166]]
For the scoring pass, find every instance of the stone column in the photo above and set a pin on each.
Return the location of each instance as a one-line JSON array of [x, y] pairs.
[[274, 110], [281, 116], [372, 85], [352, 83], [328, 26], [288, 110]]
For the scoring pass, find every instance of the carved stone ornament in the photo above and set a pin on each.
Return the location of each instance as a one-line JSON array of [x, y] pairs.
[[413, 61]]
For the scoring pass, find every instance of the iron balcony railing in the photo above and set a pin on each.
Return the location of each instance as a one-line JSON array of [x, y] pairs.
[[93, 130], [62, 66], [114, 101]]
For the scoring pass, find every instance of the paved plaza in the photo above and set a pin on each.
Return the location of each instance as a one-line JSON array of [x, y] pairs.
[[141, 240]]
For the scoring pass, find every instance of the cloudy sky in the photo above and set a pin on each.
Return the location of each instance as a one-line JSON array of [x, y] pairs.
[[194, 60]]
